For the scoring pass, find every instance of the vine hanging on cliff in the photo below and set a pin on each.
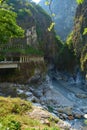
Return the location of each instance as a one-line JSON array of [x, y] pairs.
[[85, 31], [49, 4], [79, 1]]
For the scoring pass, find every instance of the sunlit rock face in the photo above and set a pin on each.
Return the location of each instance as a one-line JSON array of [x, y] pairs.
[[79, 38], [64, 11]]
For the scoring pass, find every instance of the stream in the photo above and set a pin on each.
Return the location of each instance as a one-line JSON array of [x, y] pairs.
[[77, 103], [64, 96], [76, 94]]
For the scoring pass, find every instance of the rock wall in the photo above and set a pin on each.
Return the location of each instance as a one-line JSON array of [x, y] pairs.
[[78, 38], [35, 21], [32, 72], [64, 11]]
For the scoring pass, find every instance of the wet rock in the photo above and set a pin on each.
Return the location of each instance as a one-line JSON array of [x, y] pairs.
[[60, 110], [70, 117], [34, 79], [45, 107], [37, 93], [31, 89], [55, 115], [84, 109], [64, 116], [42, 103], [39, 113], [37, 104], [66, 110], [33, 99], [20, 91], [64, 125], [78, 116], [55, 112], [61, 117], [84, 128], [29, 94], [81, 95]]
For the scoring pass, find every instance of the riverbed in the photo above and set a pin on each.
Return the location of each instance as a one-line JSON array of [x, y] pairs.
[[63, 98], [76, 98]]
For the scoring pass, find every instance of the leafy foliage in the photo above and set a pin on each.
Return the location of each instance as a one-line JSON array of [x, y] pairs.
[[51, 26], [69, 40], [83, 59], [19, 118], [85, 31], [8, 25], [66, 59], [27, 50], [79, 1], [14, 125]]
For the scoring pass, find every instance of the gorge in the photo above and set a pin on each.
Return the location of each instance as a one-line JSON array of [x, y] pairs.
[[56, 79]]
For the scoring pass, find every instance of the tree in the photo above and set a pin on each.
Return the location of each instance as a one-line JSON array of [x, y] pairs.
[[8, 25]]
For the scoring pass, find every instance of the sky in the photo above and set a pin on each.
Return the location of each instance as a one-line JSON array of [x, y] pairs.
[[37, 1]]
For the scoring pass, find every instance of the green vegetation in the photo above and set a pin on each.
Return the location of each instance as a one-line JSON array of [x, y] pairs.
[[69, 40], [79, 1], [50, 109], [26, 50], [23, 12], [85, 122], [11, 112], [66, 59], [8, 25], [83, 59], [14, 116], [85, 31]]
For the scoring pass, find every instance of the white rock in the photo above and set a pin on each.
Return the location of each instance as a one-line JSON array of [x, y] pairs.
[[28, 94], [85, 116], [20, 91]]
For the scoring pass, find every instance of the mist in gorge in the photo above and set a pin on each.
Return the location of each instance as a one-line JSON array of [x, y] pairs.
[[64, 11]]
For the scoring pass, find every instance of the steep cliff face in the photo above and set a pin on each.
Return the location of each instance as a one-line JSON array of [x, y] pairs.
[[38, 41], [64, 11], [35, 21], [79, 39]]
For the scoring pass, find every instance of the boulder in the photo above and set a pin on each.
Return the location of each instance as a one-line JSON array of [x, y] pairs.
[[70, 117], [85, 116], [78, 116], [81, 95], [29, 94], [65, 116], [35, 79], [66, 110], [33, 99]]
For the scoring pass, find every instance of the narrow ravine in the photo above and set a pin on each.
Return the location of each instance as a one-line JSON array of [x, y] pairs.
[[76, 94], [61, 98]]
